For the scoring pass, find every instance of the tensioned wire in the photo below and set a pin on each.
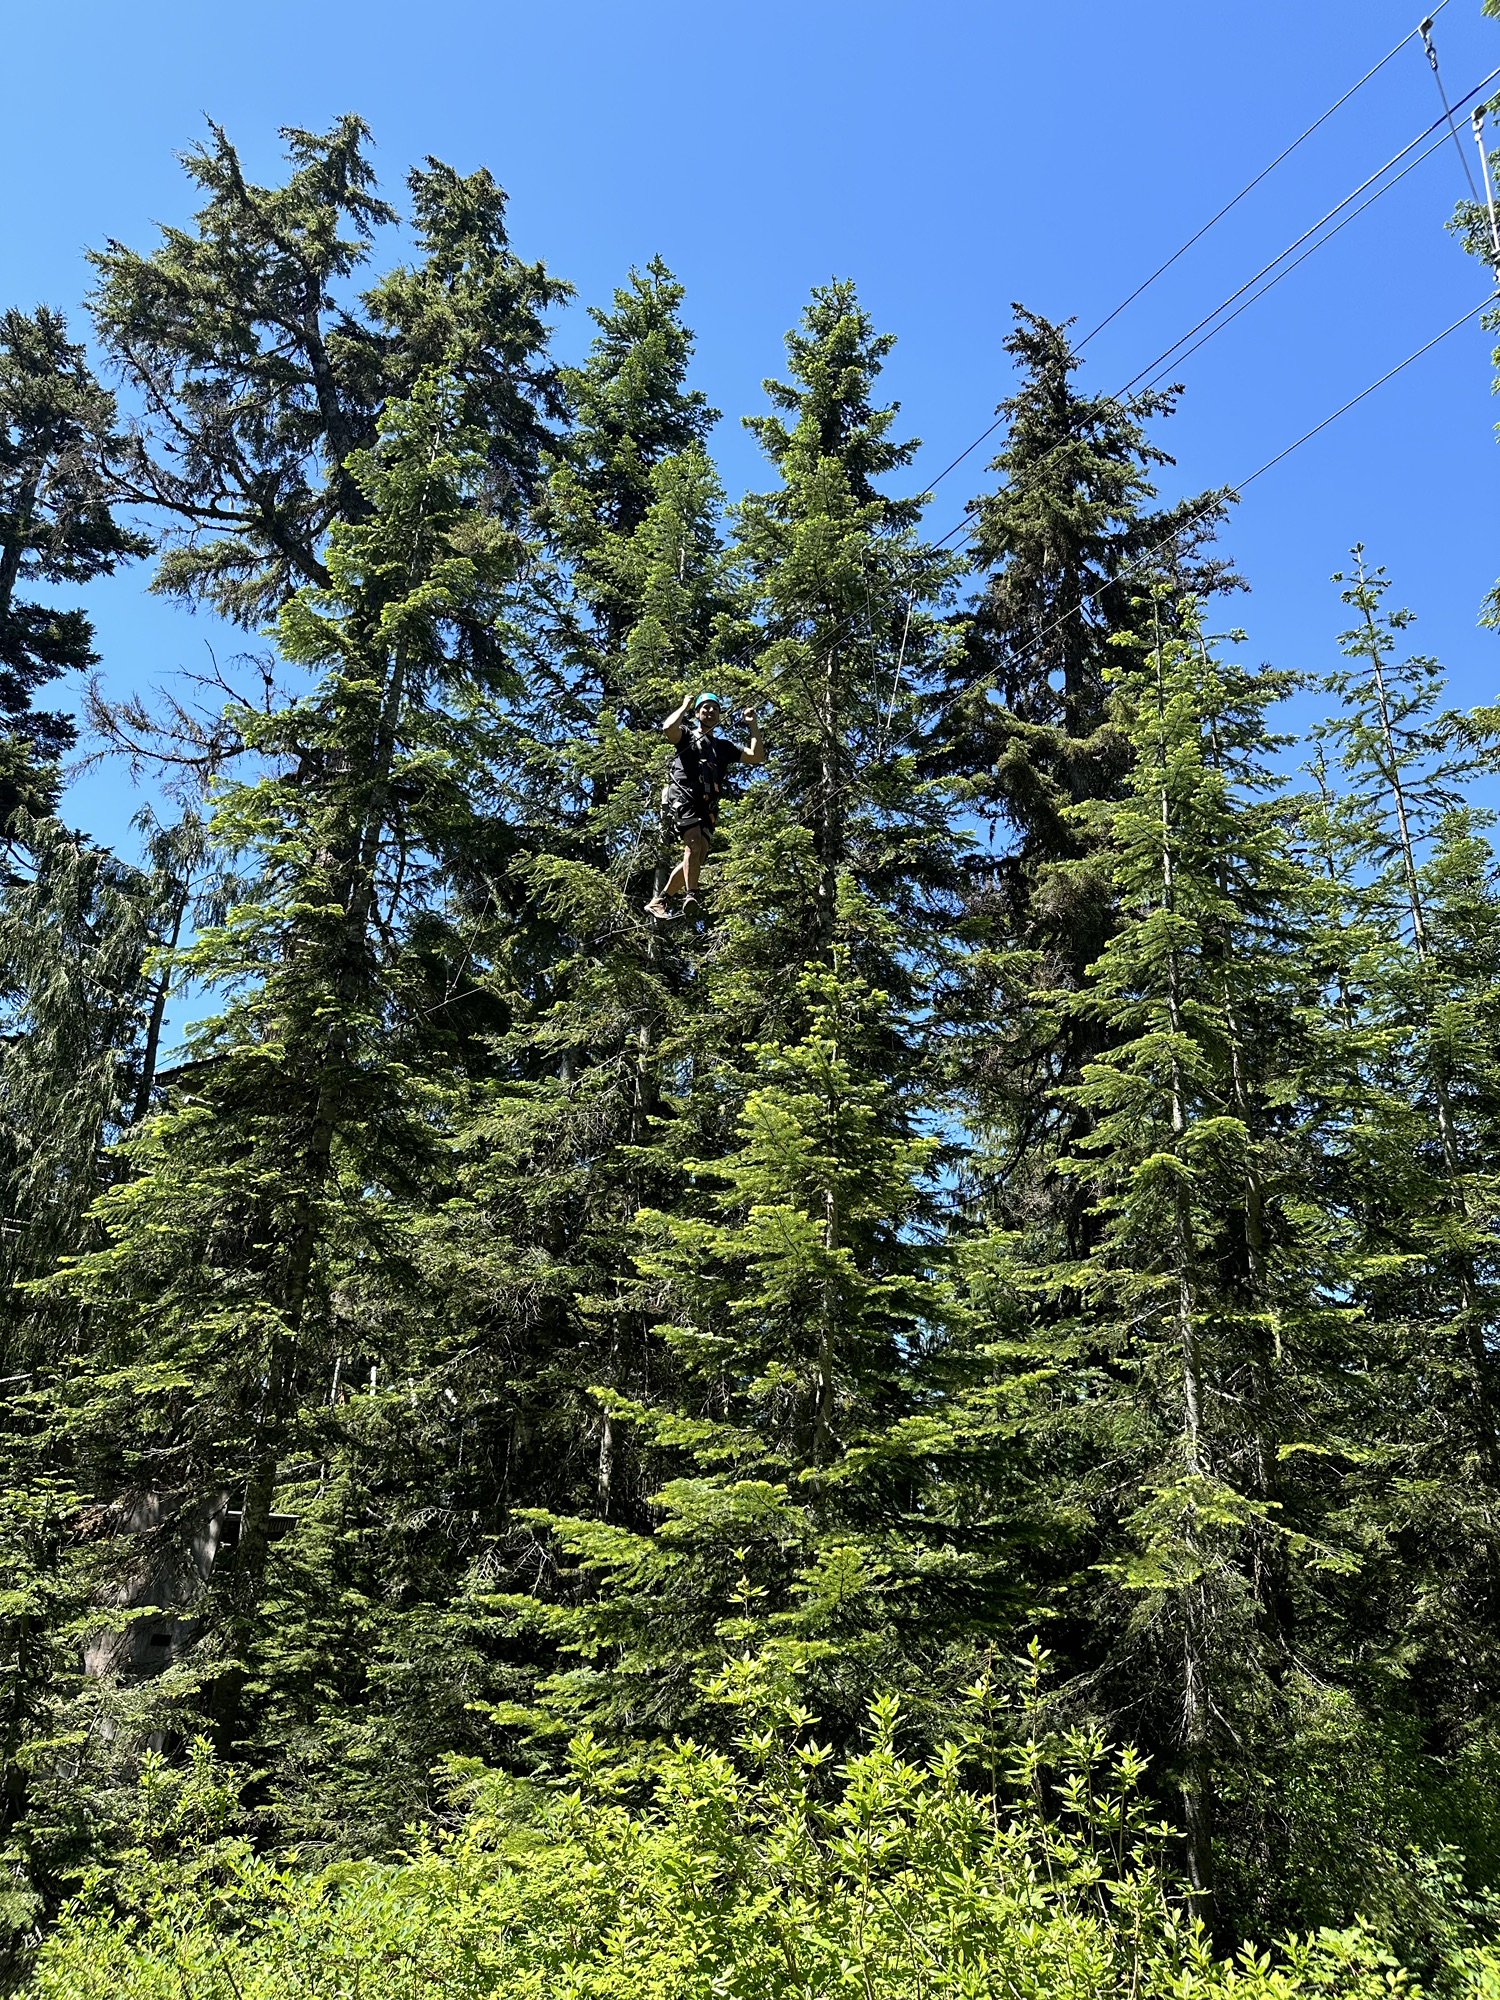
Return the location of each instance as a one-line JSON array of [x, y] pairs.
[[1251, 185], [1225, 493], [1171, 356], [1152, 367], [1218, 217]]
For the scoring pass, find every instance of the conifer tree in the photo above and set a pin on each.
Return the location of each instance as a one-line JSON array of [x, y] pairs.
[[260, 374], [231, 1296], [1064, 546], [358, 469], [58, 447], [628, 593], [1170, 1337], [83, 1028], [1417, 1158], [1408, 763], [792, 1429], [797, 1531]]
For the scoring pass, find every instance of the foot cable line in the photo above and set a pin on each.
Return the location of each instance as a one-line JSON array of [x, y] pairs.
[[1438, 143], [1215, 499], [1212, 222]]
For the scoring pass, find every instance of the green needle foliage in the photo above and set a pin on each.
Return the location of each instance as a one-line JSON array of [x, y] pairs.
[[482, 1368], [59, 450]]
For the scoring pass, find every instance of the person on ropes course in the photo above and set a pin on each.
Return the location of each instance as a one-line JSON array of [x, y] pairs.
[[695, 782]]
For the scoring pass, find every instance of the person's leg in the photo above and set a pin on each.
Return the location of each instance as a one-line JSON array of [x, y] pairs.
[[683, 878], [685, 874], [694, 856]]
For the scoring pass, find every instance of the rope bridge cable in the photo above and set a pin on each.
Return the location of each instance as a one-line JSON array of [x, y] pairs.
[[1251, 185], [1212, 222], [1438, 143], [1144, 561]]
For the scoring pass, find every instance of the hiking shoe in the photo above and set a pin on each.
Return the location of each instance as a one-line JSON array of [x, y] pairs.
[[657, 908], [691, 906]]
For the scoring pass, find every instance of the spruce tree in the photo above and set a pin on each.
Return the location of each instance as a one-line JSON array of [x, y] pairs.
[[357, 469], [626, 595], [1414, 1175], [1173, 1337], [1065, 547], [792, 1429], [1408, 763], [58, 450]]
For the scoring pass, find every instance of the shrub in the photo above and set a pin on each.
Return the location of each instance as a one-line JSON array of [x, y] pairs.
[[883, 1879]]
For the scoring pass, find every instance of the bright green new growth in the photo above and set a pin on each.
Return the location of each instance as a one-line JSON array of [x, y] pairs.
[[778, 1874], [465, 1412]]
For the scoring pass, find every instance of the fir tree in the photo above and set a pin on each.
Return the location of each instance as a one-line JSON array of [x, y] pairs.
[[808, 1310], [58, 448], [1171, 1339], [1064, 547], [234, 1289], [797, 1529]]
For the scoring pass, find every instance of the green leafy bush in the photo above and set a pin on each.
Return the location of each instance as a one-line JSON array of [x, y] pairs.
[[781, 1879]]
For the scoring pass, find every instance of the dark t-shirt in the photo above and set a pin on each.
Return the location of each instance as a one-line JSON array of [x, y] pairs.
[[695, 776]]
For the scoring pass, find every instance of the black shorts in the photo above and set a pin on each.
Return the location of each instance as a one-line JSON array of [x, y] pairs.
[[689, 815]]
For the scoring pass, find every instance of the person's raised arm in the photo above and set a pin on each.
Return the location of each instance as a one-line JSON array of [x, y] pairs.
[[672, 727], [754, 751]]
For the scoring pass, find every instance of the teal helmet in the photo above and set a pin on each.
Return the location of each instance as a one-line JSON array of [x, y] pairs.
[[707, 695]]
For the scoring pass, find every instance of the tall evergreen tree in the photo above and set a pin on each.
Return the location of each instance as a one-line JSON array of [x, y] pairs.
[[58, 448], [359, 469], [792, 1429], [1066, 548], [1413, 1175], [1171, 1337], [627, 596]]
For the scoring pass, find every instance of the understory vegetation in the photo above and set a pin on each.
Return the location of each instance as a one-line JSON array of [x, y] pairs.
[[929, 1429]]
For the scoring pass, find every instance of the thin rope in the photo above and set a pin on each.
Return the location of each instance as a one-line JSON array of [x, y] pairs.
[[1437, 76], [1251, 185]]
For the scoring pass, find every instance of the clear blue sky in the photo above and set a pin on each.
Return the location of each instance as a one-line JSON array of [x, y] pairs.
[[950, 159]]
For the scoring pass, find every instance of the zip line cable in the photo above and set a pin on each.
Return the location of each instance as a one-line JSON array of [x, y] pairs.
[[1213, 220], [1167, 352], [1379, 383], [1437, 76], [1251, 185], [1170, 357], [1438, 143], [1151, 554]]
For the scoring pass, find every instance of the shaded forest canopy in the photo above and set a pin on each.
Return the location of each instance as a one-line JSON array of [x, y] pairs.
[[1047, 1201]]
